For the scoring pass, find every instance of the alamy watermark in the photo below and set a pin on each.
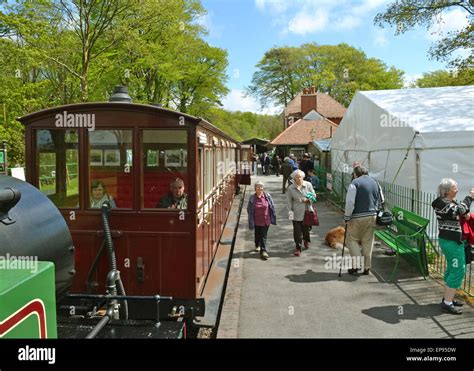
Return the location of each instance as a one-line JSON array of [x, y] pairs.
[[19, 262], [334, 262], [242, 167], [400, 121], [75, 120]]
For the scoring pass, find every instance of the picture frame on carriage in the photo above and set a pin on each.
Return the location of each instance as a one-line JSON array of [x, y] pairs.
[[96, 157], [173, 157], [112, 157]]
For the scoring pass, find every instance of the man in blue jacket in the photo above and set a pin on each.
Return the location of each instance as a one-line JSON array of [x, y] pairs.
[[362, 201]]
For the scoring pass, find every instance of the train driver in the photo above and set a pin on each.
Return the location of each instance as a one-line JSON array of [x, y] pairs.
[[176, 198], [99, 195]]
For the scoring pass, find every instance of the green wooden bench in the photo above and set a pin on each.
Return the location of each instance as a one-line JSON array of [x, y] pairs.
[[407, 237]]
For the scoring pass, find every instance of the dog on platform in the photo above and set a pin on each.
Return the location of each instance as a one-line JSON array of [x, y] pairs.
[[335, 238]]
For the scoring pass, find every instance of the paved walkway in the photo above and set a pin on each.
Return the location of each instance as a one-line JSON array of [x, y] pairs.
[[291, 297]]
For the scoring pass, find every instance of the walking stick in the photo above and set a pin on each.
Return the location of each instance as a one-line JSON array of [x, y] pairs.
[[343, 244]]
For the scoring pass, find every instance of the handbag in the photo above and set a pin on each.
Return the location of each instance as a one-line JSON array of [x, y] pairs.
[[384, 217], [311, 218]]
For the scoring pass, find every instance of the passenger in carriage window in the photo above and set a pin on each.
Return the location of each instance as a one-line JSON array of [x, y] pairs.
[[176, 199], [99, 195]]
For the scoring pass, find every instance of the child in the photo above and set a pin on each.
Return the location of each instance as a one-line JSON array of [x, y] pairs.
[[313, 179]]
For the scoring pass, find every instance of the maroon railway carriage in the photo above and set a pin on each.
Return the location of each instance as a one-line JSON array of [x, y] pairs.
[[136, 151]]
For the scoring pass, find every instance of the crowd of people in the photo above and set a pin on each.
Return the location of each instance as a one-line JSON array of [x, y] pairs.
[[287, 166], [363, 200]]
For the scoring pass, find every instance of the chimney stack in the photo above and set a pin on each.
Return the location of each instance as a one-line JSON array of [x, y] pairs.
[[309, 101]]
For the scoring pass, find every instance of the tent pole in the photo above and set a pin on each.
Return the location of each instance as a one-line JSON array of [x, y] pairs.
[[418, 180]]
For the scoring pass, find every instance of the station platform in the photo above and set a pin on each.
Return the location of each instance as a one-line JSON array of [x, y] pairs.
[[301, 297]]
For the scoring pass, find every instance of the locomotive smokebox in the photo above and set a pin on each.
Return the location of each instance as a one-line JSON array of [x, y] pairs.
[[32, 229]]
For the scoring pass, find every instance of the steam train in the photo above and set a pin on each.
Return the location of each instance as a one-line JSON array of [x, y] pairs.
[[126, 264]]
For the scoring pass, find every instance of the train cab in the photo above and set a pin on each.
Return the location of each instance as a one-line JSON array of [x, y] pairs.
[[169, 178]]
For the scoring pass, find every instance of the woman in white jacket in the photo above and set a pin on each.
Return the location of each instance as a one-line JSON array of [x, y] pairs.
[[297, 203]]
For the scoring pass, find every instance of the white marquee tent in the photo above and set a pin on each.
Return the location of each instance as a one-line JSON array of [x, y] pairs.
[[435, 126]]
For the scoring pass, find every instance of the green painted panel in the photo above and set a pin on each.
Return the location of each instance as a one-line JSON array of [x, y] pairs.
[[27, 300]]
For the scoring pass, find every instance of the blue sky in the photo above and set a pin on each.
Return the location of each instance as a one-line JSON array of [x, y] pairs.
[[248, 28]]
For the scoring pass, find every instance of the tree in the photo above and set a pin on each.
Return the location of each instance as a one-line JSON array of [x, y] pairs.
[[245, 125], [55, 52], [43, 25], [407, 14], [201, 82], [445, 78], [338, 70], [277, 78]]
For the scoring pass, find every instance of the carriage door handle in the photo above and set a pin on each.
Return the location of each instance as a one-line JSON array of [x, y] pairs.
[[140, 270]]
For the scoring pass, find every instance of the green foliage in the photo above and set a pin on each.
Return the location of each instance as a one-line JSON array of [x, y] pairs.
[[245, 125], [445, 78], [277, 76], [338, 70], [50, 56], [407, 14]]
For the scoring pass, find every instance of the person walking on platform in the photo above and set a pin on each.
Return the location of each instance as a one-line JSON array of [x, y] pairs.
[[293, 162], [362, 201], [276, 163], [261, 213], [286, 171], [297, 203], [307, 165], [448, 212], [265, 164]]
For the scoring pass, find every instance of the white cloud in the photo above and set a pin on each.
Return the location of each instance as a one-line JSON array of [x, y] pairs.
[[303, 17], [349, 22], [236, 101], [367, 6], [449, 22], [273, 6], [380, 38], [304, 23]]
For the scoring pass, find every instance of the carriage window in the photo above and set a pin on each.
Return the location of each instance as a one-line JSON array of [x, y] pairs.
[[199, 175], [208, 172], [165, 169], [58, 170], [110, 168]]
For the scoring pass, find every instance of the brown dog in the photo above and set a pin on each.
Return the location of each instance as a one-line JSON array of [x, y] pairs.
[[335, 237]]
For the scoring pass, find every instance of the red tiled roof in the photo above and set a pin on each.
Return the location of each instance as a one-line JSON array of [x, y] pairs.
[[326, 106], [300, 132]]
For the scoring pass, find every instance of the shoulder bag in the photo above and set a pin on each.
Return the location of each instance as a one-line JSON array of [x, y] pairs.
[[384, 217]]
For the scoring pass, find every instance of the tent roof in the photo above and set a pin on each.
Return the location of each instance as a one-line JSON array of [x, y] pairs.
[[428, 109]]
